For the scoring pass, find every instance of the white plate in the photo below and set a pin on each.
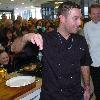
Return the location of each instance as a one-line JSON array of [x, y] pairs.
[[20, 81]]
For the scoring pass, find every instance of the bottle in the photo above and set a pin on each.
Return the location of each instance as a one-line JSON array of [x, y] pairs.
[[3, 73], [40, 55]]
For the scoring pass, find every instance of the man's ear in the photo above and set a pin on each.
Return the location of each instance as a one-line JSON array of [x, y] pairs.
[[62, 18]]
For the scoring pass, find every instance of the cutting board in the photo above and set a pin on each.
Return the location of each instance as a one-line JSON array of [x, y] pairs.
[[10, 93]]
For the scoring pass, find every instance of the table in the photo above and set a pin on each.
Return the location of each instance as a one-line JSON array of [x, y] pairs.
[[33, 93], [13, 93]]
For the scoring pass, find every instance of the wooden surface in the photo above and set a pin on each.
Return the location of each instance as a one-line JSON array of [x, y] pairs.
[[38, 86], [10, 93]]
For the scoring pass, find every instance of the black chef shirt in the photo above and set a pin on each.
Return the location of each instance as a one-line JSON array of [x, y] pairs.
[[62, 61]]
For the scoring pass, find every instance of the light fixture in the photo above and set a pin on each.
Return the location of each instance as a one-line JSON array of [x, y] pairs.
[[32, 7], [58, 2], [56, 7], [23, 3]]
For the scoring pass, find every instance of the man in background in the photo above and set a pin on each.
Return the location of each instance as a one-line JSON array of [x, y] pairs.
[[92, 35]]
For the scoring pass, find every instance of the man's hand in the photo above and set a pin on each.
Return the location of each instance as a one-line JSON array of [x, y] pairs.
[[37, 38], [34, 38]]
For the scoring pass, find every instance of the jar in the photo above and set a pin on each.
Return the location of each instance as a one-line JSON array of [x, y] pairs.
[[3, 73]]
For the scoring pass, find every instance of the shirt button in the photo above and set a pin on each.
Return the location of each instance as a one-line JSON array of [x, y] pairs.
[[61, 90], [61, 42], [59, 64], [82, 49], [72, 64], [59, 77]]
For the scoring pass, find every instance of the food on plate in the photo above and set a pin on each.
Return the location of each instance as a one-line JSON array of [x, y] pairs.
[[30, 68]]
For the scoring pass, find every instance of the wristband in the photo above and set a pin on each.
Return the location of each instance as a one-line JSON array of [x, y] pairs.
[[87, 86]]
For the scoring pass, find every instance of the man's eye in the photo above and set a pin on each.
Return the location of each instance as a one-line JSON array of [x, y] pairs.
[[75, 18]]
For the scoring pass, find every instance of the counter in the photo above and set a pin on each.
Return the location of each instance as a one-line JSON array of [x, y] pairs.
[[20, 93], [33, 94]]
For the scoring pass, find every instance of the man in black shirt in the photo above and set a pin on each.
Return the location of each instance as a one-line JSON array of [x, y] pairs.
[[65, 57]]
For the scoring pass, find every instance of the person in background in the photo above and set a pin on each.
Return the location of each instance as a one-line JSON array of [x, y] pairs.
[[92, 35], [3, 21], [49, 26], [5, 62], [9, 24], [17, 28], [39, 28], [65, 57], [24, 27], [31, 26], [8, 39], [19, 18]]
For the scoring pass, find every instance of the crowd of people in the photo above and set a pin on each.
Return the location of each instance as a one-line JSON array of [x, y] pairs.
[[14, 30], [67, 55]]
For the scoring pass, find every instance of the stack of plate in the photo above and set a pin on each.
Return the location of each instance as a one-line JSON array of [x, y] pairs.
[[20, 81]]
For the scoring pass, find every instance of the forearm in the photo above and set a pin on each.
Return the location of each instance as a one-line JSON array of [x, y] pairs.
[[85, 70], [18, 44], [86, 80]]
